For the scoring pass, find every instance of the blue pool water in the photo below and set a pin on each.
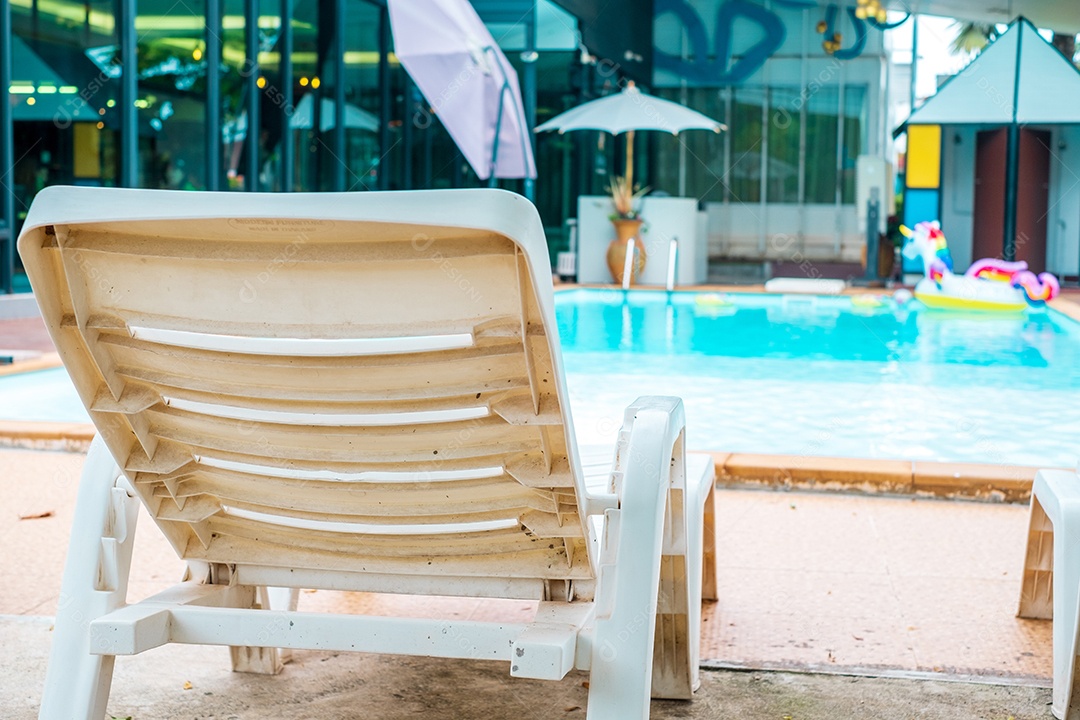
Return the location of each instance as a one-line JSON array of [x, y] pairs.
[[42, 396], [820, 376], [796, 375]]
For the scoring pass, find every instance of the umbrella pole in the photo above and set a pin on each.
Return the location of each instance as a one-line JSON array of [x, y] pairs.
[[492, 180], [630, 160]]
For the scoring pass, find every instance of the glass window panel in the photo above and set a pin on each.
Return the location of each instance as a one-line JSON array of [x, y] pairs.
[[171, 105], [746, 145], [273, 115], [315, 27], [855, 136], [399, 115], [820, 173], [306, 137], [699, 151], [362, 154], [64, 97], [782, 168], [234, 119], [557, 159]]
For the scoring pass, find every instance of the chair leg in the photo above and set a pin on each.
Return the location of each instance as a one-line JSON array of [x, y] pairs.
[[266, 660], [1050, 587], [644, 573], [687, 572], [1066, 592], [674, 664], [1036, 590], [678, 617], [709, 589], [95, 580]]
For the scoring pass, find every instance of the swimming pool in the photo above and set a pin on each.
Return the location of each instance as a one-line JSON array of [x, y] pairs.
[[820, 376], [790, 375]]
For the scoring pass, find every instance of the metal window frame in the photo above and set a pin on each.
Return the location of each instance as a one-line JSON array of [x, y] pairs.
[[838, 233], [7, 154], [285, 64], [129, 89], [529, 84], [338, 137], [382, 177], [251, 85], [212, 38], [407, 133]]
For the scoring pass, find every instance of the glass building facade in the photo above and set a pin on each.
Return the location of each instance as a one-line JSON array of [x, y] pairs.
[[242, 95], [307, 95]]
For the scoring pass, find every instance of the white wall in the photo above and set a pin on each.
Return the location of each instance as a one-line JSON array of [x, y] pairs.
[[958, 192], [665, 218], [771, 230], [1063, 223], [784, 232]]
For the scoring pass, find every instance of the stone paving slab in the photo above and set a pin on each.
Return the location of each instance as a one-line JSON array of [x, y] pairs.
[[329, 686]]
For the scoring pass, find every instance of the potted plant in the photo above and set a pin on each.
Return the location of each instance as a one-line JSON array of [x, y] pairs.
[[627, 222]]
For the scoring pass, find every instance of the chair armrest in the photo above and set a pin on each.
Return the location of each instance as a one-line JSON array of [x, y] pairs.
[[652, 426]]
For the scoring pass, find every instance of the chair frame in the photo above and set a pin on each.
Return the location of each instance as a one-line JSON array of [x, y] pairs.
[[639, 638], [1050, 588], [629, 613]]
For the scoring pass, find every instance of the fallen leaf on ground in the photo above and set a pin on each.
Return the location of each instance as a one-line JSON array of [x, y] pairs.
[[36, 516], [188, 685]]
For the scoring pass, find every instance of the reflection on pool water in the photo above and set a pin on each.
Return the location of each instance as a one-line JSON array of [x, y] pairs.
[[791, 375], [823, 376]]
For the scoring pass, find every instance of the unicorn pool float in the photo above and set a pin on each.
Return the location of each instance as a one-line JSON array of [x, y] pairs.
[[988, 285]]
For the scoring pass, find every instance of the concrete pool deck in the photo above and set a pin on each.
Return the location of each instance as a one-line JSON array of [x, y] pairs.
[[194, 682], [878, 586]]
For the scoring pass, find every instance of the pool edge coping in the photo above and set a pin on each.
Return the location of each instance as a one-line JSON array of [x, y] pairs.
[[44, 361], [972, 481], [755, 288], [1067, 306], [38, 435]]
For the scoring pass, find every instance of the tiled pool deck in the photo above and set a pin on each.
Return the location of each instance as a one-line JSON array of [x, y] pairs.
[[817, 581]]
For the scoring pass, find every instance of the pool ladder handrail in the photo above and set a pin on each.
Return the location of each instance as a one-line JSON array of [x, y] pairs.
[[628, 264], [673, 262]]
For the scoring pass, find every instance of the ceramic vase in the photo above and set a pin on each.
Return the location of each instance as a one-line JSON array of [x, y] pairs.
[[625, 229]]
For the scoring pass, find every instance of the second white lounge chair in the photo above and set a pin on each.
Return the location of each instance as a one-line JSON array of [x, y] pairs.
[[361, 392], [1050, 585]]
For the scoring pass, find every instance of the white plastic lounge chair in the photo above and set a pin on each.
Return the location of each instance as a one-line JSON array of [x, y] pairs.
[[351, 391], [1051, 582]]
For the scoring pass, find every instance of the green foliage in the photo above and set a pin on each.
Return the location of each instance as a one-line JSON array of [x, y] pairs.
[[972, 37]]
